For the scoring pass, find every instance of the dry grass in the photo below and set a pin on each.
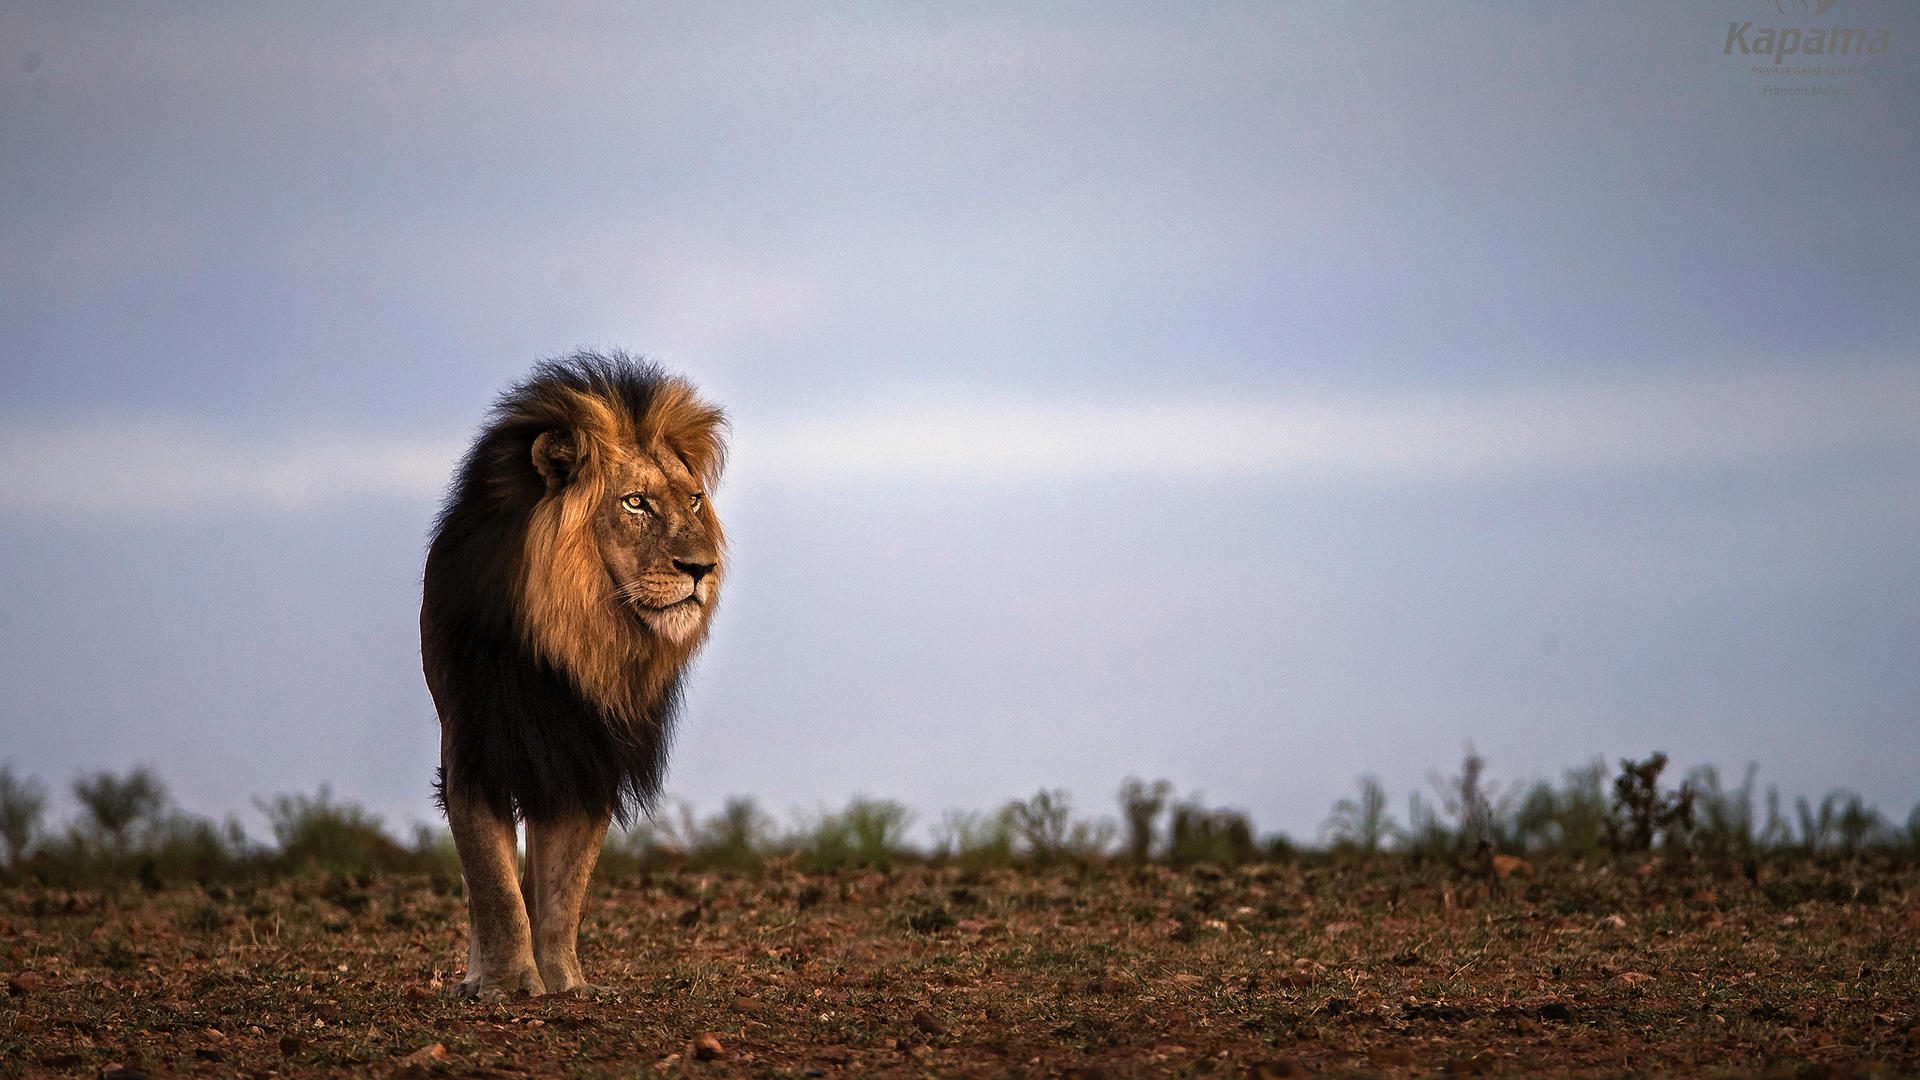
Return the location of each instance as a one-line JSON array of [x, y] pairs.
[[1385, 967]]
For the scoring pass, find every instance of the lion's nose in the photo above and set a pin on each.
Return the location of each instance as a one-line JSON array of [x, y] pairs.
[[694, 570]]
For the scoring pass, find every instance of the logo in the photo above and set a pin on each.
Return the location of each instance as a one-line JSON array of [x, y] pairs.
[[1791, 8], [1797, 48], [1780, 42]]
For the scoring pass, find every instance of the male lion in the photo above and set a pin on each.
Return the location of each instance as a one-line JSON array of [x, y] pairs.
[[572, 576]]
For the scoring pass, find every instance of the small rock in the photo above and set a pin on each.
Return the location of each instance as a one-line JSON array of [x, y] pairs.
[[1508, 865], [424, 1056], [707, 1047]]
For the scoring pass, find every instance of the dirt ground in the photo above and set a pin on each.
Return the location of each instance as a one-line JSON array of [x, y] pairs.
[[1360, 969]]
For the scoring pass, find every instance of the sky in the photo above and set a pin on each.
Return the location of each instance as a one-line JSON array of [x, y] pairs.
[[1254, 396]]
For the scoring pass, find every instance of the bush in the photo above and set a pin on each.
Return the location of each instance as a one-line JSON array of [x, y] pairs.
[[1724, 820], [432, 850], [128, 829], [869, 832], [1198, 835], [1481, 812], [317, 833], [737, 838], [975, 840], [1046, 831], [1641, 811], [1856, 825], [1362, 823], [116, 806], [1426, 834], [1570, 819], [1140, 807], [22, 802], [185, 847]]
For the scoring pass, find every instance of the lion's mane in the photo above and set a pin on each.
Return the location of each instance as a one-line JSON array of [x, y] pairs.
[[555, 702]]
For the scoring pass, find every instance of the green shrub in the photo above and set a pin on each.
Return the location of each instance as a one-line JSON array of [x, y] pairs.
[[1045, 830], [1426, 835], [22, 803], [1725, 822], [975, 840], [432, 851], [737, 838], [1857, 826], [116, 806], [1570, 819], [1198, 835], [186, 847], [1642, 812], [1362, 823], [869, 832], [1140, 807], [1481, 811], [316, 833]]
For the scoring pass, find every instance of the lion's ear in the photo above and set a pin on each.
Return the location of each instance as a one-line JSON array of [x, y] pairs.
[[554, 456]]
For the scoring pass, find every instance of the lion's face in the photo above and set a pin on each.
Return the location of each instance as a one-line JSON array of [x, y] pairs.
[[659, 540]]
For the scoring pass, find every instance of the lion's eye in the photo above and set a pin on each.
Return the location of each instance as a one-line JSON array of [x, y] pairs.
[[694, 500], [635, 503]]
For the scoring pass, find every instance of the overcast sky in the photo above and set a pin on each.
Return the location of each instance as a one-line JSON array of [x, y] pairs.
[[1251, 396]]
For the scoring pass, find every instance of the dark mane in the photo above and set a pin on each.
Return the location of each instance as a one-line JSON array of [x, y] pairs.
[[523, 731]]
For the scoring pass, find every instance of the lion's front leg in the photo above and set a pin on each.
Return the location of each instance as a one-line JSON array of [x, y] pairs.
[[560, 857], [499, 942]]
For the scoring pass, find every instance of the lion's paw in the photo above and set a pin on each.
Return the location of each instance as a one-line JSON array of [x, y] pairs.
[[586, 991], [505, 988]]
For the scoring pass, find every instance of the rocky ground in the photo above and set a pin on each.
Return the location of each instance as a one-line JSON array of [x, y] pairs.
[[1382, 968]]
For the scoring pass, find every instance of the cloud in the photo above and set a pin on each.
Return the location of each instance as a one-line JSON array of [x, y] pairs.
[[1688, 423], [149, 464], [1677, 423]]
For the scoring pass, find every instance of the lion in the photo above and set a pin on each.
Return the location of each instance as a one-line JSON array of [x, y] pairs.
[[572, 576]]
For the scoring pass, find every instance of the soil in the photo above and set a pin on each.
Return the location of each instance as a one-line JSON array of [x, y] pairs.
[[1386, 967]]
